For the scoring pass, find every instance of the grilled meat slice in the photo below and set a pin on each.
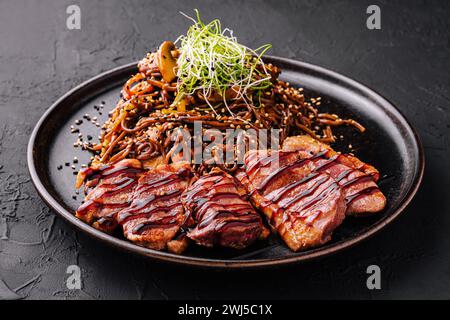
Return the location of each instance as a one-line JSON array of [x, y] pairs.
[[302, 205], [155, 216], [109, 190], [222, 214], [357, 179]]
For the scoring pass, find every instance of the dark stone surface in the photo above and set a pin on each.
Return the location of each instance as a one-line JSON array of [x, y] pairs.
[[407, 61]]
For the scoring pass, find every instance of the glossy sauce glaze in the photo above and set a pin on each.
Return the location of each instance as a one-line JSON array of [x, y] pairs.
[[156, 201], [220, 212], [321, 191], [110, 193], [302, 201], [319, 162], [317, 165], [206, 194]]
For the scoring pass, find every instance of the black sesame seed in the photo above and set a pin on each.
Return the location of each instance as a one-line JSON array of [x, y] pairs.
[[89, 137], [67, 164], [75, 173], [78, 122], [59, 167], [74, 197]]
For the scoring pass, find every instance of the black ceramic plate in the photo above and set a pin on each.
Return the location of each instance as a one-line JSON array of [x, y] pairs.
[[390, 144]]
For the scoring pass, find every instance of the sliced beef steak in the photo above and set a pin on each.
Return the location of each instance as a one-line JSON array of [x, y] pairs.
[[357, 179], [302, 205], [109, 190], [155, 216], [222, 214]]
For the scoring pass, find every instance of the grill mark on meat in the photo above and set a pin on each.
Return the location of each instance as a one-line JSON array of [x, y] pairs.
[[110, 190], [365, 191], [192, 196], [82, 210], [294, 213], [116, 187], [302, 212], [156, 214], [140, 206], [163, 181], [287, 188], [344, 174], [92, 203], [362, 178], [208, 202], [109, 170], [280, 170], [305, 193], [306, 211], [361, 193], [262, 162], [320, 167], [223, 217], [353, 175], [109, 193], [359, 179], [326, 163], [167, 221], [142, 209], [244, 218], [323, 194], [205, 202]]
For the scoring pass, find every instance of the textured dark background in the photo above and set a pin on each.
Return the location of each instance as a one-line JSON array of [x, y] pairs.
[[407, 61]]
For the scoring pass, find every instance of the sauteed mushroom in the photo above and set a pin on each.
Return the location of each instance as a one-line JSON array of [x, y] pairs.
[[166, 61]]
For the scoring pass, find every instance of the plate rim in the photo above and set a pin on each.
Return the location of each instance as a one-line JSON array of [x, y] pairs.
[[124, 245]]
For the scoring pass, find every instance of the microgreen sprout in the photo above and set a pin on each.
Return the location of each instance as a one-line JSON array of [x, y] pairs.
[[212, 62]]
